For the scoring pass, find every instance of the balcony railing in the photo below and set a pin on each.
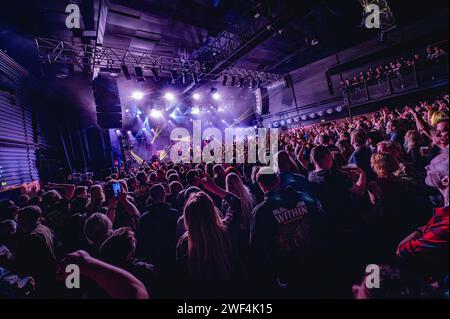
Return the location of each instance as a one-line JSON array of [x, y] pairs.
[[427, 74]]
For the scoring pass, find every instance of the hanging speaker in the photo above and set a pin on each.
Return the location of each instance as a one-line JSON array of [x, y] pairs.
[[107, 102]]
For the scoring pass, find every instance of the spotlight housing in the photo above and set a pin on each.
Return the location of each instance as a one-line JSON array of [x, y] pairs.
[[139, 74], [174, 76], [126, 72], [233, 81], [155, 74], [224, 81]]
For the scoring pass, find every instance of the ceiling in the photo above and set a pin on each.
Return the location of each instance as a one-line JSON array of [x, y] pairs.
[[180, 28]]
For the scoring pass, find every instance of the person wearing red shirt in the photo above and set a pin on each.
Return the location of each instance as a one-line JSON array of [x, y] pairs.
[[428, 245]]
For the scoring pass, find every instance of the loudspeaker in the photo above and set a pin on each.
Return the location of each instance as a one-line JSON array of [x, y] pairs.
[[109, 120], [107, 101], [262, 101], [106, 94]]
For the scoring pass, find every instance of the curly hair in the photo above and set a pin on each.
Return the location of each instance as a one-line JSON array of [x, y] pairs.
[[384, 164]]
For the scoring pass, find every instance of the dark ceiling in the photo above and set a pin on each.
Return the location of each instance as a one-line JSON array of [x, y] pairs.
[[182, 27]]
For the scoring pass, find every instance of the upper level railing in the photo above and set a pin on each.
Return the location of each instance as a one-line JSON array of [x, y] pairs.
[[426, 74]]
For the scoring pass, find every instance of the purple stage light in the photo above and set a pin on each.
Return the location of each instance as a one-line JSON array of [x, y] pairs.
[[216, 96], [169, 96], [155, 113], [137, 95]]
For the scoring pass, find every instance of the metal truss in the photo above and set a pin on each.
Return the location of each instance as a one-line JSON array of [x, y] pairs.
[[219, 56], [88, 56], [228, 41], [96, 56]]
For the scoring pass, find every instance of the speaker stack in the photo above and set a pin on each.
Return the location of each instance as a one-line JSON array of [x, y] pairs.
[[107, 101]]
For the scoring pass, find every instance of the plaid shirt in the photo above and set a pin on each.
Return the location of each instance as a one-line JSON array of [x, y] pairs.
[[434, 235]]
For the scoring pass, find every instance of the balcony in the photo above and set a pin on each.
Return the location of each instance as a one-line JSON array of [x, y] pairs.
[[428, 74]]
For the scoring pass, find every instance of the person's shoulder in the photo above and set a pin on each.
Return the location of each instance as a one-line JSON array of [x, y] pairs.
[[312, 175], [299, 176], [64, 203], [337, 173], [260, 207], [144, 216], [174, 213]]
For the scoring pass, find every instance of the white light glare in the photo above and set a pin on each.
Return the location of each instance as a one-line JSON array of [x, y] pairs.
[[195, 110], [169, 96], [137, 95], [155, 113], [216, 96], [196, 96]]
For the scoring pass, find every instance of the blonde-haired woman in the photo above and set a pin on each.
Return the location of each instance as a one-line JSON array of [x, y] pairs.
[[205, 252], [413, 143], [234, 185], [97, 200]]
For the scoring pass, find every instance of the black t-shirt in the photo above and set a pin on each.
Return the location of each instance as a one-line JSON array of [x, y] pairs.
[[433, 152], [288, 232], [333, 190], [157, 235], [361, 158], [78, 206], [141, 193]]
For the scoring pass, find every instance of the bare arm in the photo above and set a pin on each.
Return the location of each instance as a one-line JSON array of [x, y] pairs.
[[116, 282], [359, 188], [300, 157], [128, 206], [112, 207], [374, 193], [69, 189], [421, 125]]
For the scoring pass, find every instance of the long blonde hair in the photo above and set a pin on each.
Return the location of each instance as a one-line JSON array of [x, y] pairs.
[[412, 139], [235, 186], [97, 198], [209, 248]]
